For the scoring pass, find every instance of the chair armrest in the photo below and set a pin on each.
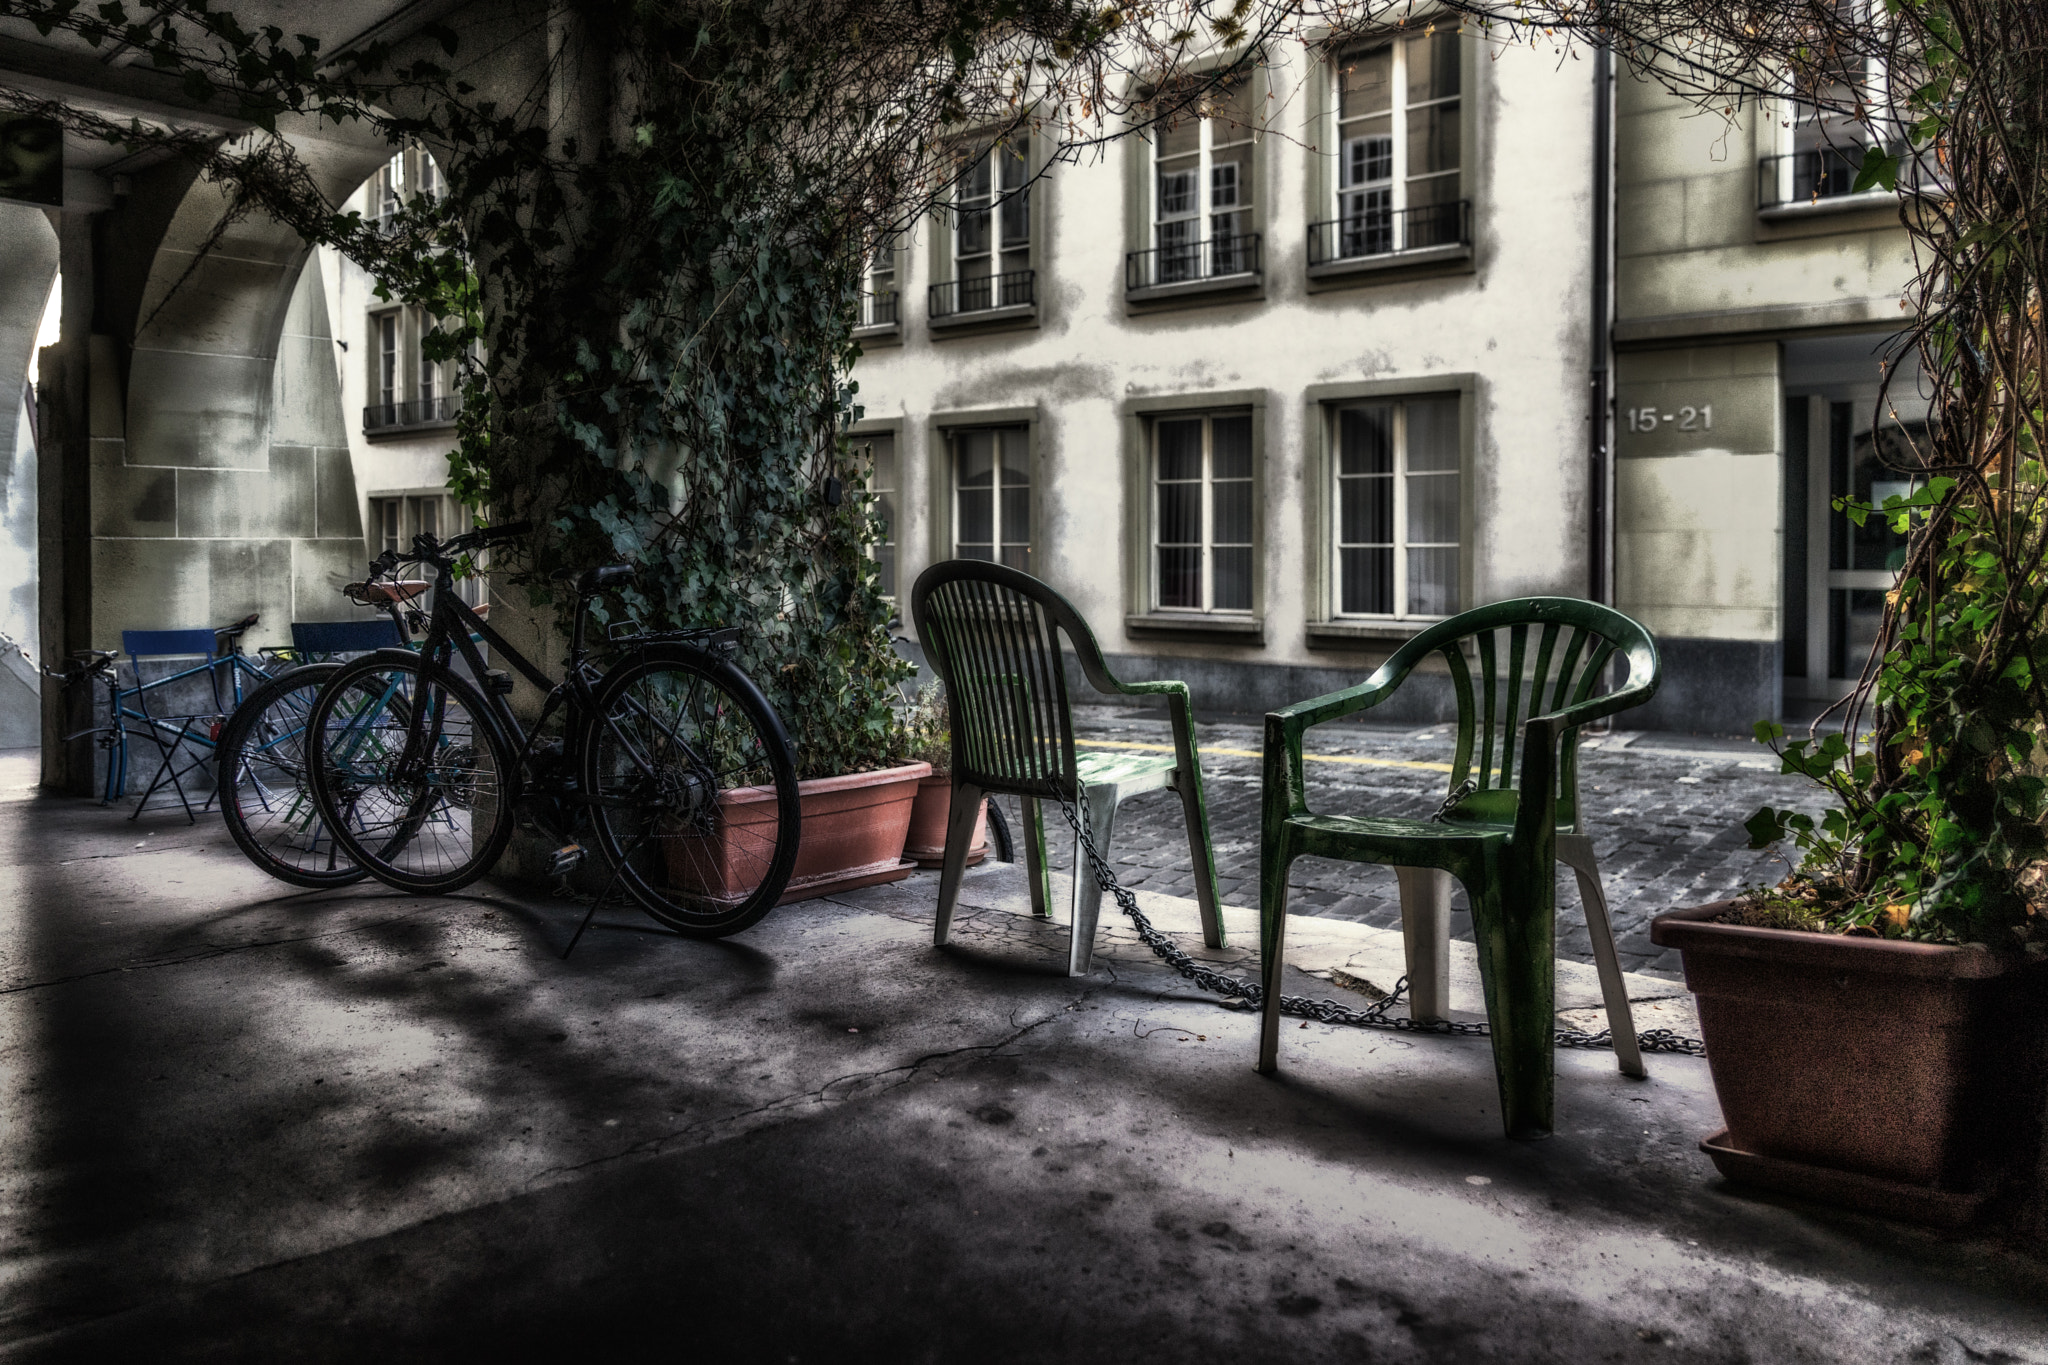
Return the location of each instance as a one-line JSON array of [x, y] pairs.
[[1333, 705]]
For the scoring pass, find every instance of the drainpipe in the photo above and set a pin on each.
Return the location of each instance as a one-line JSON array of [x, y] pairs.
[[1600, 423]]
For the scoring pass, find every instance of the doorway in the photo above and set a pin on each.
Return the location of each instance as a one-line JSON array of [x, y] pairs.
[[1836, 574]]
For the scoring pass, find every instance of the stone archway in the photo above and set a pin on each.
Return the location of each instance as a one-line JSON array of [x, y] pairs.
[[205, 465]]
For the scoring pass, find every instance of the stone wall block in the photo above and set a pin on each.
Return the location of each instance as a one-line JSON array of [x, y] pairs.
[[320, 568], [337, 511], [258, 504], [174, 584], [199, 411], [131, 501], [225, 306]]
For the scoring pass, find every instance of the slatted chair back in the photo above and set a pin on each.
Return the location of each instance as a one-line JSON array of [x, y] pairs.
[[992, 633], [201, 643], [344, 637], [1530, 657]]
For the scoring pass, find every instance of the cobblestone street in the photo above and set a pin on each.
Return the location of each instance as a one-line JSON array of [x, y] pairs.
[[1665, 812]]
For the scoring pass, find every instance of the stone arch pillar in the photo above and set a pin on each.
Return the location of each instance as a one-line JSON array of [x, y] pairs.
[[218, 479]]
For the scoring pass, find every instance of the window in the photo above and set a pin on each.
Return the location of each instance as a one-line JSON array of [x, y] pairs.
[[990, 240], [432, 184], [1820, 149], [387, 360], [878, 288], [1397, 500], [1399, 185], [395, 518], [1202, 519], [1202, 192], [992, 495], [882, 482], [409, 388], [385, 188]]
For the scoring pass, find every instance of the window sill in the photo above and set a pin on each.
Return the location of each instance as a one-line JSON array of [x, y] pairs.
[[1015, 314], [1828, 206], [879, 334], [1241, 283], [1342, 634], [1249, 630], [410, 429], [1348, 266]]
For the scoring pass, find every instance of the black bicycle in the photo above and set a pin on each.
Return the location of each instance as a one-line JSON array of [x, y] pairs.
[[670, 756]]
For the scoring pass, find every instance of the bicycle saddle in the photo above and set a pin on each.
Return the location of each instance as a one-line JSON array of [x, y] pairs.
[[403, 591]]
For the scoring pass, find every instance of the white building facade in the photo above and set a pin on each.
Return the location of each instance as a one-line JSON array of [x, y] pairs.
[[1267, 390]]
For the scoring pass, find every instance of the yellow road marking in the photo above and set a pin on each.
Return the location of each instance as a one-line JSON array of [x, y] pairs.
[[1254, 753]]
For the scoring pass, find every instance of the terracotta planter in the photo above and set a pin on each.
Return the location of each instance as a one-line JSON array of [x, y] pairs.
[[1899, 1078], [853, 830], [927, 843]]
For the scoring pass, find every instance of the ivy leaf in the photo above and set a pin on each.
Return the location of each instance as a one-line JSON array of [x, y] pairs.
[[1880, 169]]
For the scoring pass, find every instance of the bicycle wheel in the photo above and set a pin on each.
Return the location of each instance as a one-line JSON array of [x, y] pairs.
[[266, 797], [412, 774], [693, 790]]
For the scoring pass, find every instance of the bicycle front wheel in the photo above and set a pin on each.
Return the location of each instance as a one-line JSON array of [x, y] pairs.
[[411, 773], [690, 779], [266, 794]]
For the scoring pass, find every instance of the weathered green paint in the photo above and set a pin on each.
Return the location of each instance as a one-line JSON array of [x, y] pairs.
[[1499, 844], [992, 634]]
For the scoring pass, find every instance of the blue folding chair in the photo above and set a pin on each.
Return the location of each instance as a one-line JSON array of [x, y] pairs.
[[315, 639], [193, 729]]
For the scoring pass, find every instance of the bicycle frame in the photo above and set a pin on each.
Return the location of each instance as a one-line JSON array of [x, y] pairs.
[[120, 713]]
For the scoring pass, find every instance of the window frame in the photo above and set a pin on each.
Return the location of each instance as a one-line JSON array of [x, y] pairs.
[[1142, 617], [448, 514], [895, 250], [1331, 50], [1326, 627], [939, 489], [941, 255], [1141, 188], [866, 431]]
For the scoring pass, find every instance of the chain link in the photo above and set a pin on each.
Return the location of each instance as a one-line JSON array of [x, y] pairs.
[[1331, 1011]]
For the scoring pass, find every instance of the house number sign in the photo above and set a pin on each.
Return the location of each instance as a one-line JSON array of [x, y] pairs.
[[1684, 419]]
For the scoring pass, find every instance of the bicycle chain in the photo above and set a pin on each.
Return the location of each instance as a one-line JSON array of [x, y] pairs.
[[1332, 1011]]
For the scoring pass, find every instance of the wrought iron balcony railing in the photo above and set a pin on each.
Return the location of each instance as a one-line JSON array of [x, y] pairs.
[[417, 412], [878, 308], [1823, 173], [1386, 232], [1192, 262], [1012, 289]]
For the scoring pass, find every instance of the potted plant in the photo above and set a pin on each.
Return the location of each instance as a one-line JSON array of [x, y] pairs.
[[1874, 1022], [928, 736]]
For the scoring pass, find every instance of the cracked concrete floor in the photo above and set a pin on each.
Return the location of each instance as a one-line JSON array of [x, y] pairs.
[[241, 1122]]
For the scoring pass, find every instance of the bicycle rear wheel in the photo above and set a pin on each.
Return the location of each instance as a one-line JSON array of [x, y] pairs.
[[693, 789], [266, 797], [412, 774]]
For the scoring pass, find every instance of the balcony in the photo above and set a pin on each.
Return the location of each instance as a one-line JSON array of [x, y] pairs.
[[1823, 179], [1221, 263], [984, 298], [382, 419], [1385, 237], [878, 310]]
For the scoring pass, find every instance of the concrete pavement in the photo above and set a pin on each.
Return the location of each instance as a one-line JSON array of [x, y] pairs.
[[241, 1122]]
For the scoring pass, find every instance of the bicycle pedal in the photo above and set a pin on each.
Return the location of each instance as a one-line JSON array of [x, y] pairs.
[[565, 859], [497, 682]]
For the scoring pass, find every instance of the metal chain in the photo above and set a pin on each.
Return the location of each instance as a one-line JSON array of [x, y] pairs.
[[1331, 1011]]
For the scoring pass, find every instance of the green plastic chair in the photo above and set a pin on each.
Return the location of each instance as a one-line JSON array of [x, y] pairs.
[[991, 633], [1503, 847]]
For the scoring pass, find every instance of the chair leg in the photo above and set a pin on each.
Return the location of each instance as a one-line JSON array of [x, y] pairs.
[[1426, 934], [1202, 854], [1576, 851], [1273, 867], [1037, 870], [1099, 809], [959, 836], [1513, 921]]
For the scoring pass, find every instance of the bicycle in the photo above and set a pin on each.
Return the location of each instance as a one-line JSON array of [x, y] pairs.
[[127, 704], [264, 784], [671, 756]]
